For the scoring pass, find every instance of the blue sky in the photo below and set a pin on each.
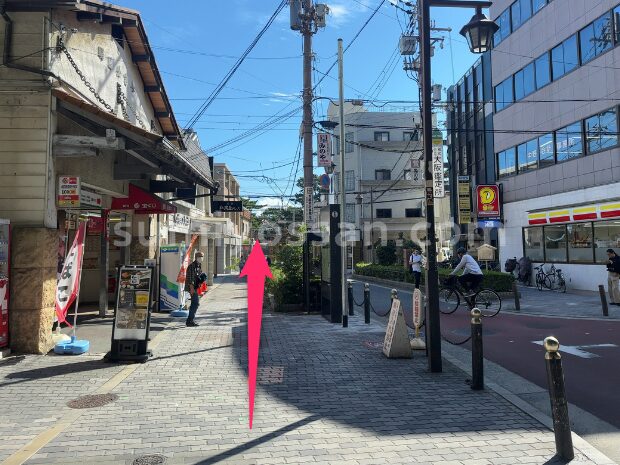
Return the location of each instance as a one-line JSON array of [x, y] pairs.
[[196, 42]]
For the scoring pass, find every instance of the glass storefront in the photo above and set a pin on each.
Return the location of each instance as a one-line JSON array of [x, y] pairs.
[[582, 243]]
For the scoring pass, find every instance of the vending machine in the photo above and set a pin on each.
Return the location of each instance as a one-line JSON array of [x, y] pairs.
[[5, 247]]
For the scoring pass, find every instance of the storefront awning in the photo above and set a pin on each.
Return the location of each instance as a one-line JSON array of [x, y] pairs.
[[142, 202]]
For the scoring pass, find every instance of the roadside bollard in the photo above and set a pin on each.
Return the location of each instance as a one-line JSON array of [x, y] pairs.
[[515, 292], [601, 291], [477, 358], [559, 404], [350, 296], [394, 295], [367, 303]]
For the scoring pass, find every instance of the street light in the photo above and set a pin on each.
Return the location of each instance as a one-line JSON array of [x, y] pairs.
[[478, 32]]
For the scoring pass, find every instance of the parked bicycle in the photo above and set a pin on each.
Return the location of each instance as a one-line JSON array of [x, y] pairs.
[[486, 300], [553, 280]]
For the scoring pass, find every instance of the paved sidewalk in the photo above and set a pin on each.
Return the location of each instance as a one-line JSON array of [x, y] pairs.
[[326, 395]]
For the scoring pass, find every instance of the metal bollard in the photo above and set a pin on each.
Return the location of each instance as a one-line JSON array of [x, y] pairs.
[[367, 303], [515, 292], [559, 404], [477, 358], [601, 291], [350, 296]]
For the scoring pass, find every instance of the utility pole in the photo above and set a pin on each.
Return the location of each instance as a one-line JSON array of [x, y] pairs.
[[307, 18], [343, 194]]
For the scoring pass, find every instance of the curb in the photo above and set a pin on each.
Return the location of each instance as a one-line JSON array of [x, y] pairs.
[[578, 442]]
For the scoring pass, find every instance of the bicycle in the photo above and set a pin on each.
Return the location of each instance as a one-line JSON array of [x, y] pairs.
[[486, 300], [553, 280]]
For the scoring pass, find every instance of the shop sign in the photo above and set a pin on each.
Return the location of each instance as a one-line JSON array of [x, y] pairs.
[[90, 199], [228, 206], [308, 205], [489, 224], [132, 303], [417, 172], [487, 197], [438, 169], [68, 191], [464, 196], [95, 225], [324, 149], [575, 214], [179, 223]]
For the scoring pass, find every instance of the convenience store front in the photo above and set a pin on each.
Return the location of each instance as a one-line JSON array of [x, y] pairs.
[[575, 238]]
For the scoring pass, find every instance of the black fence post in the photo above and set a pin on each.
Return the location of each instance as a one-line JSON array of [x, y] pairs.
[[559, 404], [515, 292], [477, 357], [601, 291], [350, 296], [367, 303]]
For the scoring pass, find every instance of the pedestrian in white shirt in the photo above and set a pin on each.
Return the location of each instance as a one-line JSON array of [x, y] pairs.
[[415, 264], [472, 274]]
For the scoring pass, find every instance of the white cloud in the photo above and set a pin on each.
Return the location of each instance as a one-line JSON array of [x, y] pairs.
[[341, 13]]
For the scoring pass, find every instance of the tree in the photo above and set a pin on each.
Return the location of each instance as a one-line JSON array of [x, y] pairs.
[[316, 195], [250, 204]]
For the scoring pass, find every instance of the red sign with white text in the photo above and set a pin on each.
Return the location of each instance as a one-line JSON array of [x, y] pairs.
[[488, 201]]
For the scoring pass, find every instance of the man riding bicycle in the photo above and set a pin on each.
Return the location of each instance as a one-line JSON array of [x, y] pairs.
[[472, 274]]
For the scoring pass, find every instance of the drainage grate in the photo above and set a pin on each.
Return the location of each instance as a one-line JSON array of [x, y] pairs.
[[373, 345], [92, 401], [270, 375], [150, 460]]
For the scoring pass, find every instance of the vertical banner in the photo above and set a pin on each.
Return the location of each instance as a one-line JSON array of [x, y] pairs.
[[69, 283], [324, 149], [417, 172], [186, 261], [308, 206], [464, 194], [437, 166], [170, 260]]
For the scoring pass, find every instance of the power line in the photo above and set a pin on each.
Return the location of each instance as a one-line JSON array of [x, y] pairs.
[[236, 66]]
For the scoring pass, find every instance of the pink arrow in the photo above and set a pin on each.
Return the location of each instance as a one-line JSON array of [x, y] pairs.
[[256, 269]]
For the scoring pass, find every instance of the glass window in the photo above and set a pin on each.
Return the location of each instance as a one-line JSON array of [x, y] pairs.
[[606, 236], [529, 82], [382, 175], [478, 92], [349, 181], [602, 131], [526, 10], [504, 95], [542, 71], [580, 243], [596, 38], [533, 244], [564, 57], [349, 146], [528, 155], [568, 142], [413, 212], [617, 23], [349, 213], [537, 5], [384, 213], [515, 12], [381, 136], [519, 86], [503, 21], [545, 150], [555, 243], [408, 136], [506, 163]]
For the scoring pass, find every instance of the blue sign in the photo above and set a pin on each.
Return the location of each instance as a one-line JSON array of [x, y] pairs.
[[489, 224], [324, 181]]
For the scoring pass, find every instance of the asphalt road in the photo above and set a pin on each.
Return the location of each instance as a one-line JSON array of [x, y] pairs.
[[590, 349]]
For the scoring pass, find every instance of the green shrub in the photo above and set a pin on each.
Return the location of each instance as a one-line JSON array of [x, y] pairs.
[[500, 282], [287, 271], [386, 254]]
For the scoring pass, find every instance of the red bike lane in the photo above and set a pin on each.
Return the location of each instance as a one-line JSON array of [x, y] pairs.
[[590, 351]]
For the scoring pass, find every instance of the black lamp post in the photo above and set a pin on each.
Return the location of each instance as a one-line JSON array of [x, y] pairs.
[[479, 33]]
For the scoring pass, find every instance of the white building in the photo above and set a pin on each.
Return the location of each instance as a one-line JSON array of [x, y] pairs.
[[383, 200], [556, 74]]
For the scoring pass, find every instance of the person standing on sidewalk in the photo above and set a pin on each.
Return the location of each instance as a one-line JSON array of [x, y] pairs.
[[613, 277], [415, 263], [194, 270]]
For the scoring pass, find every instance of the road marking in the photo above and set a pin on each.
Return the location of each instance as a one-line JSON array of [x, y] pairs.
[[578, 351]]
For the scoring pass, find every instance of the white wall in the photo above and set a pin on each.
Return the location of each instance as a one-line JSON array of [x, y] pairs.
[[584, 277]]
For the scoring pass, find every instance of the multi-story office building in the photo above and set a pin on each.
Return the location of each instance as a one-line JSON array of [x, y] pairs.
[[228, 248], [470, 150], [556, 83]]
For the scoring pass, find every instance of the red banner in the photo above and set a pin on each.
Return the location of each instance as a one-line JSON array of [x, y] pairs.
[[186, 261], [488, 201], [69, 283]]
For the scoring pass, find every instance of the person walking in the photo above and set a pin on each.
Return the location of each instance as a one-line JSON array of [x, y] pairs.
[[472, 274], [613, 277], [194, 270], [415, 264]]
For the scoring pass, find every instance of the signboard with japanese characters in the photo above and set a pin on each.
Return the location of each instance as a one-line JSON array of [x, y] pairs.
[[90, 199], [68, 191], [324, 149], [179, 222], [396, 342], [417, 172], [464, 194], [308, 206], [437, 166], [488, 201], [227, 206]]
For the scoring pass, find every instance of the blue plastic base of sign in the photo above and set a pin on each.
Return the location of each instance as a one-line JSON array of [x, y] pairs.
[[72, 347], [179, 313]]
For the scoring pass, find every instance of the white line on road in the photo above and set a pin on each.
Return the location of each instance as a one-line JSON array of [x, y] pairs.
[[578, 350]]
